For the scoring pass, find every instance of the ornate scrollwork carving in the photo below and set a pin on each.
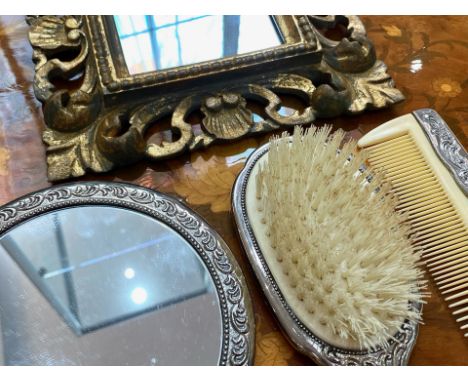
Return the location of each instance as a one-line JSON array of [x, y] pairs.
[[226, 116], [70, 112], [84, 132], [397, 353], [353, 67]]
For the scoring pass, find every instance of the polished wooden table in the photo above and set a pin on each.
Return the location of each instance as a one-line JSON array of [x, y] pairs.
[[428, 59]]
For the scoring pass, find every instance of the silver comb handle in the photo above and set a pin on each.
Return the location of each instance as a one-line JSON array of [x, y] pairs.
[[445, 143]]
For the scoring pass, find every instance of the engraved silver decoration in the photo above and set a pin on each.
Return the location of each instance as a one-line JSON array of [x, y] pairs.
[[397, 353], [236, 311], [446, 145]]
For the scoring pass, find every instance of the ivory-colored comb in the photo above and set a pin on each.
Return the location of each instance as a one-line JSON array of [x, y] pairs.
[[428, 170]]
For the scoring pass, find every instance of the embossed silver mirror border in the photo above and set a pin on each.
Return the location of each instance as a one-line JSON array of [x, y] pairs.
[[237, 318], [397, 353]]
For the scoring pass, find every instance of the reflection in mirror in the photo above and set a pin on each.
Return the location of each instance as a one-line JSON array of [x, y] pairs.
[[161, 42], [102, 285]]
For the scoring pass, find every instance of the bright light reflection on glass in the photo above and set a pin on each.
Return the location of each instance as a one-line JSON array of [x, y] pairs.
[[129, 273], [155, 42], [139, 295]]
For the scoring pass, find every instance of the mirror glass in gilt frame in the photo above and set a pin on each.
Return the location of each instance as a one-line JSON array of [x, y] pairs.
[[106, 82]]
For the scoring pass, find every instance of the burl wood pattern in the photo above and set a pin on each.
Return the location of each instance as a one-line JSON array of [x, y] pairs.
[[427, 57]]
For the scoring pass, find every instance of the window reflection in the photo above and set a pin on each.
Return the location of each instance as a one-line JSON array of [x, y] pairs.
[[160, 42], [95, 277]]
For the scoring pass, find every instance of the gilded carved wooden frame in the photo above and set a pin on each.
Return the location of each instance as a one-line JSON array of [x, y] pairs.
[[97, 114]]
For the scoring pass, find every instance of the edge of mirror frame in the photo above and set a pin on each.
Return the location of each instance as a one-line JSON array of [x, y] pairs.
[[238, 324], [90, 127]]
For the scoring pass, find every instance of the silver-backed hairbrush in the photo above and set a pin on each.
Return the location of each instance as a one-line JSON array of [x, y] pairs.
[[334, 256], [427, 168]]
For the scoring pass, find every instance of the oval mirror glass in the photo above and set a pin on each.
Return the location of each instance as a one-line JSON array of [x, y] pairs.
[[104, 285]]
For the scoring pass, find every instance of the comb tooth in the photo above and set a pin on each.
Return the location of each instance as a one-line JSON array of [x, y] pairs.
[[449, 269], [409, 175], [435, 207], [444, 257], [433, 236], [453, 284], [389, 146], [449, 243], [405, 197], [440, 205], [444, 276], [459, 311], [443, 283], [432, 257], [458, 303], [430, 221], [397, 140], [453, 222], [458, 295], [435, 243], [437, 228], [389, 163], [450, 263], [392, 153], [394, 161], [448, 260], [432, 249], [409, 185], [423, 190], [422, 201], [390, 143], [404, 178], [404, 160], [414, 182], [394, 172], [427, 200], [465, 327], [458, 287], [414, 197], [455, 245]]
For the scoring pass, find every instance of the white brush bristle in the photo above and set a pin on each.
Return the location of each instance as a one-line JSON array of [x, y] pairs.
[[347, 254]]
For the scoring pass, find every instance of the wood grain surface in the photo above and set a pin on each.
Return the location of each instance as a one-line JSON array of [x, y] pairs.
[[428, 59]]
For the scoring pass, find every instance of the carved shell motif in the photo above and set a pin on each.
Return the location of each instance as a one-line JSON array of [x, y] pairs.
[[226, 116], [52, 33]]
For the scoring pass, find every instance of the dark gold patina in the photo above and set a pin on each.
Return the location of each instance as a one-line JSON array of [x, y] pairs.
[[97, 113]]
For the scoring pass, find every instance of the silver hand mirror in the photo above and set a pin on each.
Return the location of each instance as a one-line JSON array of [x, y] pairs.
[[114, 274]]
